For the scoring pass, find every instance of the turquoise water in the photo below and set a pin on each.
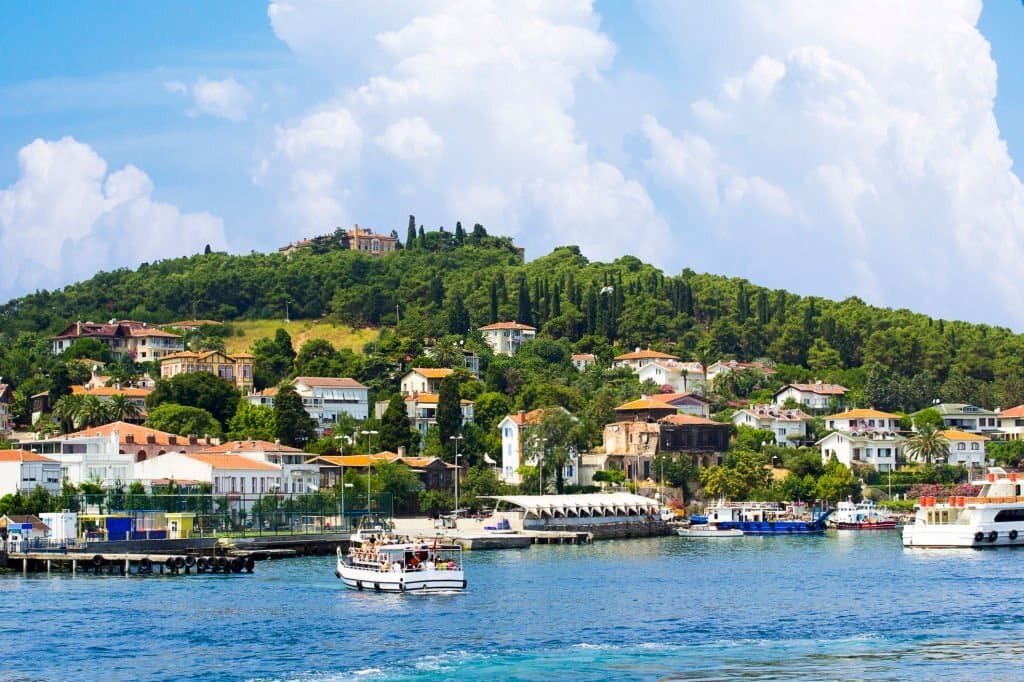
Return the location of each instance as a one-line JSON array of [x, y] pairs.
[[833, 607]]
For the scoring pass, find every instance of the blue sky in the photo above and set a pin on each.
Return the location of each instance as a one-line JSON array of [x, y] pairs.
[[847, 149]]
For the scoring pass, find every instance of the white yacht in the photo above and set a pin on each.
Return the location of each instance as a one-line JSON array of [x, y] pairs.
[[995, 518], [386, 564]]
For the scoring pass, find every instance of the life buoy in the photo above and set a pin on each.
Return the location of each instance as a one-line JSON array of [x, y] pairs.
[[992, 536], [1013, 534], [97, 560], [979, 536]]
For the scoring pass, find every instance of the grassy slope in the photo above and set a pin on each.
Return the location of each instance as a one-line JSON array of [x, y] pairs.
[[300, 331]]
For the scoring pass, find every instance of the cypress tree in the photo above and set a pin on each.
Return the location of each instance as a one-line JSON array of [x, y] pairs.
[[494, 302], [525, 314], [394, 425], [410, 236], [421, 241], [449, 411], [293, 424], [460, 235], [458, 316]]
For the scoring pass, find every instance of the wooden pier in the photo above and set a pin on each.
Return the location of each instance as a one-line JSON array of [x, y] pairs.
[[138, 564]]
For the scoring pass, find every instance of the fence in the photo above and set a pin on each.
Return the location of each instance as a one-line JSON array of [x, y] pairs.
[[198, 515]]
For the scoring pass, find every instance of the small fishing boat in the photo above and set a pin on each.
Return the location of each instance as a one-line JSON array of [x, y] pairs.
[[763, 518], [709, 531], [864, 515], [387, 564]]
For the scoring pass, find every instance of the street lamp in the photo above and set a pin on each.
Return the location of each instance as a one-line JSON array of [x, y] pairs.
[[540, 465], [369, 441], [341, 463], [456, 439]]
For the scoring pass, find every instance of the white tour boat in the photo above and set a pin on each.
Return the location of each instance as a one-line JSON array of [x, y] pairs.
[[387, 564], [995, 518]]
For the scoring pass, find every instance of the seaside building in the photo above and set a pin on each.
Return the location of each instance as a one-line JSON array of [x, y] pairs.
[[723, 367], [969, 418], [434, 473], [141, 442], [789, 426], [234, 368], [298, 476], [965, 448], [516, 453], [125, 338], [23, 471], [423, 380], [1011, 423], [880, 450], [241, 479], [639, 359], [814, 398]]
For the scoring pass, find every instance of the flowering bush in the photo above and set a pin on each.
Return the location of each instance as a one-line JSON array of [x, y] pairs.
[[919, 490]]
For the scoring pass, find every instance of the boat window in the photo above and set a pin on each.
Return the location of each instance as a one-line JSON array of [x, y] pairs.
[[1010, 515]]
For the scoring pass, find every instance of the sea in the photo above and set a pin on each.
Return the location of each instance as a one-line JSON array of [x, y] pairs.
[[843, 606]]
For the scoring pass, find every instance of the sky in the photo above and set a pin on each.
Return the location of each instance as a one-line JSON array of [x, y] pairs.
[[850, 148]]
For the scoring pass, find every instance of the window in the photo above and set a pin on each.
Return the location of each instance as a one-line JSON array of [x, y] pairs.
[[975, 446], [961, 446]]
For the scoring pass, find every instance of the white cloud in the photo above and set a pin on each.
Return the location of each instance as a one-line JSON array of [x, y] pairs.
[[410, 139], [497, 83], [66, 217], [227, 98], [869, 127]]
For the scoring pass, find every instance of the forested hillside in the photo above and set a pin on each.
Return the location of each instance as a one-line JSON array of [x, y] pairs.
[[444, 283]]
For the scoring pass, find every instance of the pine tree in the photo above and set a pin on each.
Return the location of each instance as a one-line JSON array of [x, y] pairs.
[[494, 302], [295, 427], [421, 241], [394, 425], [449, 412], [460, 235]]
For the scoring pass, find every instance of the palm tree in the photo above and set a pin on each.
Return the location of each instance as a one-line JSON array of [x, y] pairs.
[[927, 445], [447, 353], [120, 408], [92, 412], [66, 409]]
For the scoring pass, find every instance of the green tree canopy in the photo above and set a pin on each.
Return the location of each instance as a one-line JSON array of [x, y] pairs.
[[183, 420], [294, 425], [197, 389]]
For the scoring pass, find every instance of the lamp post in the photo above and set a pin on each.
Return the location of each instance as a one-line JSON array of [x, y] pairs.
[[540, 465], [341, 461], [456, 439], [369, 435]]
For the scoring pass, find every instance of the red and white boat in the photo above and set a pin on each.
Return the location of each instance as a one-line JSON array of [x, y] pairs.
[[863, 515]]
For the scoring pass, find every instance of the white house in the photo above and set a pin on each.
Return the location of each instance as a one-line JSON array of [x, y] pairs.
[[515, 453], [879, 450], [423, 380], [638, 359], [1011, 422], [325, 398], [787, 425], [816, 396], [582, 361], [681, 376], [470, 360], [98, 458], [970, 418], [297, 476], [422, 410], [230, 475], [862, 421], [967, 449], [505, 338], [726, 366], [24, 471], [6, 398], [687, 403]]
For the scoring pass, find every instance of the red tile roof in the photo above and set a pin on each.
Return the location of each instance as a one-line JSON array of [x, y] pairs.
[[1017, 411], [641, 354], [507, 325], [236, 446], [223, 461], [105, 391], [138, 432], [673, 397], [433, 372], [22, 456], [330, 382], [687, 419], [820, 389]]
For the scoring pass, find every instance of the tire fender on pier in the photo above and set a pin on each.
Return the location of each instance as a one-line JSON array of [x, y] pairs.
[[97, 560]]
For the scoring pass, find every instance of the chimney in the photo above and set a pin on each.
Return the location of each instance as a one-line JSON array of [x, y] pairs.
[[277, 442], [401, 451], [150, 439], [78, 328], [192, 439], [172, 440], [129, 438], [636, 349]]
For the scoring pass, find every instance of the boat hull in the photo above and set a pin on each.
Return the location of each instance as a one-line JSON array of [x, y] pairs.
[[775, 528], [977, 537], [866, 525], [406, 581], [714, 533]]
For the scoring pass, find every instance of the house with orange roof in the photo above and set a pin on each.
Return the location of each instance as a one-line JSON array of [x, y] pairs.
[[241, 479], [423, 380], [105, 394], [514, 452], [505, 338], [639, 359], [634, 444], [325, 398], [23, 471], [965, 448], [1011, 422], [434, 472], [672, 375], [789, 426], [125, 338], [813, 398], [470, 360], [422, 410], [297, 475], [862, 421], [142, 442], [235, 368], [722, 367], [646, 408]]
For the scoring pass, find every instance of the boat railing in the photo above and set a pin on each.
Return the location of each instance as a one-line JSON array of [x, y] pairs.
[[961, 501]]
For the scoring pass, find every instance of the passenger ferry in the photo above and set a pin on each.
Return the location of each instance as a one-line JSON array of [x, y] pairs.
[[386, 564], [995, 518], [763, 518], [864, 515]]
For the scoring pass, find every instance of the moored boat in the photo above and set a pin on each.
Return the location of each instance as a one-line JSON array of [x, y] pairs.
[[385, 564], [864, 515], [994, 518], [763, 518], [709, 531]]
